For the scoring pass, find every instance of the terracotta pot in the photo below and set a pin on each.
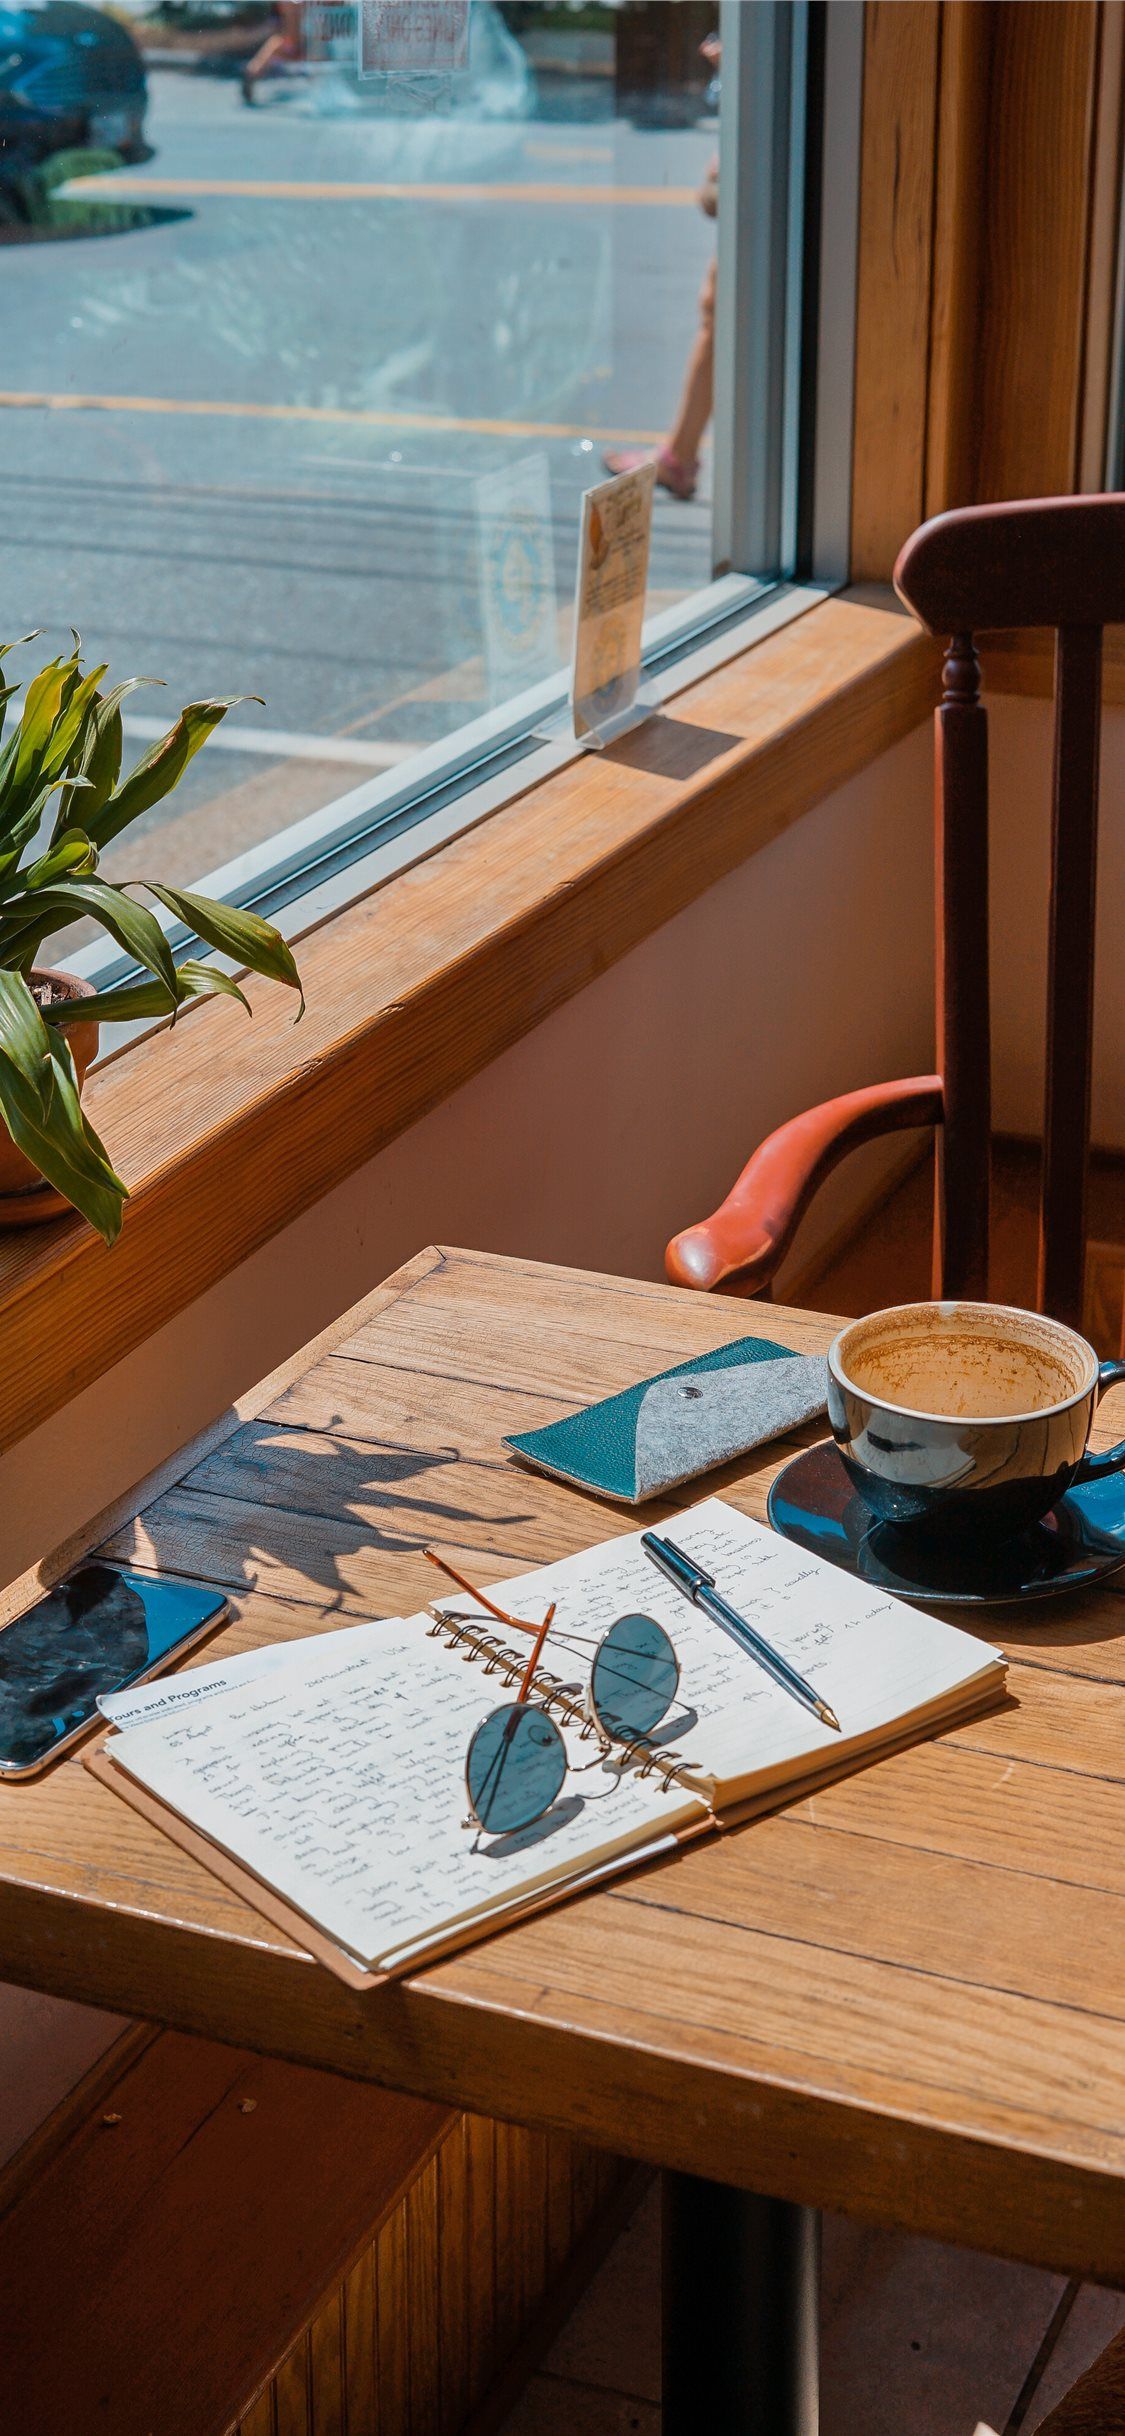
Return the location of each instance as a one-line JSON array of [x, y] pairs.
[[18, 1178]]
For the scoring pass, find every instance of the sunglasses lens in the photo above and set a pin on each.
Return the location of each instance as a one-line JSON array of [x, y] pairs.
[[515, 1768], [634, 1679]]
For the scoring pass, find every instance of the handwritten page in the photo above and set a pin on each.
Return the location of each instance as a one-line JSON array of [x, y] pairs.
[[342, 1785], [334, 1770]]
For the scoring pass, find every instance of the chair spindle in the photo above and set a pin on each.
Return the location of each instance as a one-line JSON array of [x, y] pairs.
[[1070, 972], [963, 1030]]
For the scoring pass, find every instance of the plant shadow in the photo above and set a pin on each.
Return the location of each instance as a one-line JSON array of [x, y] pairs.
[[282, 1500], [75, 216]]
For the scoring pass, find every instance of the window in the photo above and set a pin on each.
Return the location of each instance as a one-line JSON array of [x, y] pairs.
[[306, 372]]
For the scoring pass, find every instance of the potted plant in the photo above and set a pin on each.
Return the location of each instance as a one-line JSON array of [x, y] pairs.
[[62, 800]]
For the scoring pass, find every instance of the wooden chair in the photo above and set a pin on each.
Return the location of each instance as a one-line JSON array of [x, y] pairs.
[[1046, 562]]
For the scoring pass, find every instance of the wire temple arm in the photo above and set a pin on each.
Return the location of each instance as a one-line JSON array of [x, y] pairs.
[[500, 1613], [536, 1654]]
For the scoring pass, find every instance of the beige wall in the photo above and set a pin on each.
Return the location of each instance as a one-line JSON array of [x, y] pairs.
[[1020, 764], [627, 1113]]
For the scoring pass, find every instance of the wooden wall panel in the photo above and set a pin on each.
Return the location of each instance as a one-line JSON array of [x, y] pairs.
[[1042, 117], [213, 2244], [457, 2276], [960, 218], [990, 192], [1105, 230], [900, 95]]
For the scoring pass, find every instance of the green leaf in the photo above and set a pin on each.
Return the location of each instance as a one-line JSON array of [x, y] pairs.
[[9, 799], [136, 1001], [206, 981], [49, 909], [67, 730], [23, 1035], [162, 767], [48, 1125], [236, 933], [55, 709], [40, 1105], [72, 852], [6, 690], [133, 1002], [99, 761], [24, 828], [42, 703]]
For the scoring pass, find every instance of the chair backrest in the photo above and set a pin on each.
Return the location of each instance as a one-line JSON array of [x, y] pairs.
[[1043, 562]]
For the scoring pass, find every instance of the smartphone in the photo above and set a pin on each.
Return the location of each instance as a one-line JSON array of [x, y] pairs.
[[97, 1631]]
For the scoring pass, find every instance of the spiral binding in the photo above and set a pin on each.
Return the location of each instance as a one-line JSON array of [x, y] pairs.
[[551, 1693]]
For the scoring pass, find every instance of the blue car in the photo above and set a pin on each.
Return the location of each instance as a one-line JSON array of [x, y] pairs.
[[68, 76]]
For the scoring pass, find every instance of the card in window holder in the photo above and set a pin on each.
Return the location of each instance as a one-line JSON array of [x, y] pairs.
[[607, 698]]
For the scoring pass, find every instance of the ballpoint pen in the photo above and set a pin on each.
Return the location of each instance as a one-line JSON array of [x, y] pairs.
[[699, 1587]]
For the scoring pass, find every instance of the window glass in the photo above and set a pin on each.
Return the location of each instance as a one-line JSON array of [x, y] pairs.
[[305, 372]]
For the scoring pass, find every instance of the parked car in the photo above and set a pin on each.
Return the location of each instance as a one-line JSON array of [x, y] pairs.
[[69, 75]]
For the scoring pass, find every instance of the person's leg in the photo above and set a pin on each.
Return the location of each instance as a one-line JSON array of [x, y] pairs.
[[699, 384], [262, 61], [677, 459]]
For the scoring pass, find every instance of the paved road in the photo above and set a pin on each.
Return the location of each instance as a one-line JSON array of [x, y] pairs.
[[289, 388]]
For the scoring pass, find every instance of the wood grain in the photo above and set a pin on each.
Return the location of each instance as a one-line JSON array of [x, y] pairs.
[[226, 1130], [990, 188], [211, 2241], [900, 90], [960, 225], [1042, 124], [1103, 244], [902, 1997], [197, 2216]]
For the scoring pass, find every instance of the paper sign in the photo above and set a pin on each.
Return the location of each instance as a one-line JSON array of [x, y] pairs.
[[610, 603], [517, 576], [430, 37]]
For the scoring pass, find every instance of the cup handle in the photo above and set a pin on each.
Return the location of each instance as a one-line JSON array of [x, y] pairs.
[[1101, 1467]]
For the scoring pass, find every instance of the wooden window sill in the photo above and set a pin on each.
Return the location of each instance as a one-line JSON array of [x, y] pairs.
[[227, 1130]]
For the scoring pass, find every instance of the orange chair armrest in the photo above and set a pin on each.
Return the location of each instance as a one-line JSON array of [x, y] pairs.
[[753, 1228]]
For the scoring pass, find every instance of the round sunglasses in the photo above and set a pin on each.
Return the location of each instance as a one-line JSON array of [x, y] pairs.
[[517, 1760]]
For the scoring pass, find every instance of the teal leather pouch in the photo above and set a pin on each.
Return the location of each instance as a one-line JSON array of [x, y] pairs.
[[683, 1422]]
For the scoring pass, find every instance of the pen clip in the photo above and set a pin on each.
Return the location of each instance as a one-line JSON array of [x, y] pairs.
[[700, 1578]]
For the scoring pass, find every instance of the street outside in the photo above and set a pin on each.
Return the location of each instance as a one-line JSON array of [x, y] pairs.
[[241, 443]]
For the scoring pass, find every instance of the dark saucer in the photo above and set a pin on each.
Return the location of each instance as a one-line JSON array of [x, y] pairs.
[[813, 1503]]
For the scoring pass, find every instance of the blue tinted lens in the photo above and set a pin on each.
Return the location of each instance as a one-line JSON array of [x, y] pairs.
[[515, 1767], [635, 1675]]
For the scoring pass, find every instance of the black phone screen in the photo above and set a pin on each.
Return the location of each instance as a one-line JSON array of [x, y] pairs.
[[95, 1632]]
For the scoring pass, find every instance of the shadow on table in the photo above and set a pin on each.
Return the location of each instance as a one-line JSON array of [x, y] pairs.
[[307, 1501]]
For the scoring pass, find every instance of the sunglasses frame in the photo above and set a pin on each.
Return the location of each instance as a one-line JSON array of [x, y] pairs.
[[503, 1709], [595, 1723], [584, 1717]]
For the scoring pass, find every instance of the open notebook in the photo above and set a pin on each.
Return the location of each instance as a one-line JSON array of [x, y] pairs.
[[325, 1778]]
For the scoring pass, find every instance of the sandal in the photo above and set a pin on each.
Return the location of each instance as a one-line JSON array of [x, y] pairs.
[[671, 474]]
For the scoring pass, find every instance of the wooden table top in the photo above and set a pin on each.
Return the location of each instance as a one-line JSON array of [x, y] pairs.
[[903, 1997]]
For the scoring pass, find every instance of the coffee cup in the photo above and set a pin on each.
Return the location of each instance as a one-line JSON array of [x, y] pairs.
[[966, 1420]]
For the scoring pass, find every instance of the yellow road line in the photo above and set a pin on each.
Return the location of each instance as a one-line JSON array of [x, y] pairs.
[[295, 190], [492, 427]]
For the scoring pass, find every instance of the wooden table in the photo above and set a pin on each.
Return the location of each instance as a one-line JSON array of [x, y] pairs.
[[904, 1997]]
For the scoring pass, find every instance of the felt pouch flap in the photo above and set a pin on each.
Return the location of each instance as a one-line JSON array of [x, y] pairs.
[[670, 1428]]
